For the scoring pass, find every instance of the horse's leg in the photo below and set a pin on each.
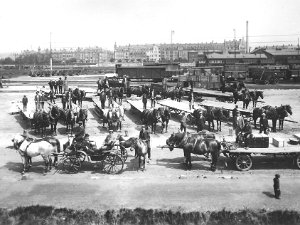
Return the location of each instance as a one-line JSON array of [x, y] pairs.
[[189, 159], [220, 125], [50, 163], [213, 161], [274, 125], [254, 120]]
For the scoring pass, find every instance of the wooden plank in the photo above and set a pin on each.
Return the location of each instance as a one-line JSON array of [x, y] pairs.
[[182, 106], [211, 93], [271, 150]]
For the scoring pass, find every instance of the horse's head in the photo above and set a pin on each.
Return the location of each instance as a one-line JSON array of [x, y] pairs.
[[260, 94], [156, 114], [132, 143], [17, 141], [288, 109]]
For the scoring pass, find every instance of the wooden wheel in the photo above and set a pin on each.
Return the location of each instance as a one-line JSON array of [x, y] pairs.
[[243, 162], [124, 154], [81, 156], [298, 161], [71, 164], [113, 164]]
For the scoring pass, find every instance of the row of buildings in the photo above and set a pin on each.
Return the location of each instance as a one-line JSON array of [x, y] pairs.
[[187, 52]]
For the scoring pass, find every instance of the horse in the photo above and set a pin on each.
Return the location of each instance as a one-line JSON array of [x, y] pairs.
[[209, 117], [165, 116], [220, 115], [111, 117], [246, 98], [28, 149], [195, 144], [255, 95], [70, 120], [102, 99], [150, 117], [140, 148], [78, 95], [274, 114], [41, 122], [53, 117], [82, 116]]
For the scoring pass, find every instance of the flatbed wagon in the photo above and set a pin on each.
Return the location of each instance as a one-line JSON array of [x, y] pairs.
[[243, 158]]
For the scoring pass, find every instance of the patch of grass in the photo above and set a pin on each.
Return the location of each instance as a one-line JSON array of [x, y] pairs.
[[48, 215]]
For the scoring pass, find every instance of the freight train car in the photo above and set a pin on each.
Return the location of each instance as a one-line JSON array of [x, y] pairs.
[[154, 72]]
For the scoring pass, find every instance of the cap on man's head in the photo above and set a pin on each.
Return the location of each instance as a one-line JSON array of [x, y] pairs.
[[110, 131], [277, 175]]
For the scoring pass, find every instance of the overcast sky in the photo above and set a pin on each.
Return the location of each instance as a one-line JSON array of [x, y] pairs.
[[26, 24]]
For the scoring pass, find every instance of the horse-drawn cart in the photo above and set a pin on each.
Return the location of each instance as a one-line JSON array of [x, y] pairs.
[[243, 158], [111, 160]]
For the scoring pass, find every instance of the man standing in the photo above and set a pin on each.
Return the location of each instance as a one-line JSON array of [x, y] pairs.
[[25, 102], [37, 99], [102, 99], [110, 97], [191, 99], [153, 98], [51, 85], [183, 124], [144, 135], [79, 136], [234, 115], [55, 84], [144, 99], [201, 122], [239, 125], [99, 84], [263, 124], [52, 97], [276, 186], [60, 85], [64, 101], [247, 133], [43, 99], [65, 83]]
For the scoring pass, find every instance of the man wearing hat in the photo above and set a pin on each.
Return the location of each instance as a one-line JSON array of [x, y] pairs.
[[110, 97], [145, 135], [25, 102], [37, 99], [60, 85], [239, 125], [234, 115], [144, 100], [263, 124], [276, 186], [183, 124], [201, 122], [247, 130], [79, 136], [109, 141]]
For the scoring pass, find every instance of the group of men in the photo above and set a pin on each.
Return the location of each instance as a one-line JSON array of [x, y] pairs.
[[145, 98], [243, 127], [57, 86]]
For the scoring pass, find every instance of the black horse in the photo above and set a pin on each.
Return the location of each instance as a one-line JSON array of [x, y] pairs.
[[255, 95], [150, 117], [41, 121], [53, 117], [70, 120], [196, 144], [82, 116], [274, 114], [220, 115], [165, 116], [78, 96]]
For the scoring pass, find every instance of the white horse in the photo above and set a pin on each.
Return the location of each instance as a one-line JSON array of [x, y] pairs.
[[28, 149]]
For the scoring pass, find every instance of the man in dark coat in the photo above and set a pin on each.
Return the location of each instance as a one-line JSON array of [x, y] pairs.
[[51, 85], [79, 136], [263, 124], [144, 99], [145, 135], [201, 122], [153, 98], [183, 124], [60, 85], [239, 125], [110, 97], [64, 101], [25, 102], [102, 99], [276, 186], [234, 115], [247, 130], [55, 84], [52, 97]]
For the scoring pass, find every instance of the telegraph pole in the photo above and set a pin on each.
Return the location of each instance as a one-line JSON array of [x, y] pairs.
[[234, 43], [50, 56], [172, 32]]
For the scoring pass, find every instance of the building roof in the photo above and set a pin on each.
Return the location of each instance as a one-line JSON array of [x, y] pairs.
[[279, 51], [236, 56]]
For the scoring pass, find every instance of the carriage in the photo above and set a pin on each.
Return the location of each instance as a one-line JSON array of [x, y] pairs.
[[110, 161], [259, 145]]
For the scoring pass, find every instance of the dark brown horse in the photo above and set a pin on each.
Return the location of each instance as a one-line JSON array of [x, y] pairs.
[[82, 116], [196, 144], [70, 120], [150, 117], [255, 95], [53, 118], [165, 116], [274, 114]]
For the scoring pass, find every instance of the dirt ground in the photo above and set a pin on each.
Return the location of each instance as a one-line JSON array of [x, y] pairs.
[[165, 183]]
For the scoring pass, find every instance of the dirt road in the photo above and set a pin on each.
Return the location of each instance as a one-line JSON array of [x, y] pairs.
[[164, 184]]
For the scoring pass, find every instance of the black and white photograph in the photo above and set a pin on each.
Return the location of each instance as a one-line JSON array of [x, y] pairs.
[[150, 112]]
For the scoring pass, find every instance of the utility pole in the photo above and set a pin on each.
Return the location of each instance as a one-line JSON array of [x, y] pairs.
[[50, 56], [172, 32], [234, 43]]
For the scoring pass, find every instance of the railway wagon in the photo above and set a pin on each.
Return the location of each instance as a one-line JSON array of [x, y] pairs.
[[155, 73]]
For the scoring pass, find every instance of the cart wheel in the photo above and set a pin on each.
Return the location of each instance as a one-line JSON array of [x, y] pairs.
[[71, 164], [266, 82], [81, 156], [243, 162], [113, 164], [298, 161]]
